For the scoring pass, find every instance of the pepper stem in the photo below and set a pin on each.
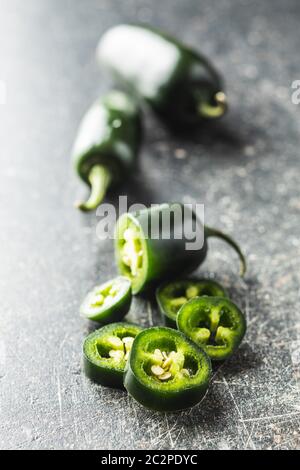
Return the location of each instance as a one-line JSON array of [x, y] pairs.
[[99, 178], [217, 110], [211, 232]]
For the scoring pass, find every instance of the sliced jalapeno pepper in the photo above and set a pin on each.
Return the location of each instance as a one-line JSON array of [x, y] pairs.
[[107, 145], [214, 323], [108, 302], [171, 296], [145, 258], [176, 81], [106, 351], [166, 371]]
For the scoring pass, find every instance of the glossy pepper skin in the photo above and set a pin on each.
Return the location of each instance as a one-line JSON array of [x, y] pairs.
[[106, 148], [214, 323], [171, 296], [108, 302], [104, 353], [166, 371], [179, 83], [148, 259]]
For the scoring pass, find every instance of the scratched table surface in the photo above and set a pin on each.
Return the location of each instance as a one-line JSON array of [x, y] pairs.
[[246, 171]]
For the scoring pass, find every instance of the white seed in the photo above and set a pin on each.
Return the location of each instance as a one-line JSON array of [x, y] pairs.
[[126, 355], [115, 341], [157, 370], [126, 260], [128, 340], [191, 292], [116, 354], [165, 356], [185, 372], [128, 234], [98, 300], [158, 354], [167, 362], [173, 355], [165, 376]]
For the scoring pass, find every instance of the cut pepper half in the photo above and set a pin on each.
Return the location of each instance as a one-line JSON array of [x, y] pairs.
[[152, 245], [171, 296], [166, 371], [106, 351], [214, 323], [108, 302], [131, 251]]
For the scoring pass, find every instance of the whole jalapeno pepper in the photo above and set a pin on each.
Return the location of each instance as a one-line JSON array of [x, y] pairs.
[[214, 323], [109, 302], [166, 371], [171, 296], [146, 258], [106, 148], [175, 80], [106, 351]]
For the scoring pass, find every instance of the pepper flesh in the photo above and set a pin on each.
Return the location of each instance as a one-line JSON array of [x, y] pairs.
[[214, 323], [166, 371], [171, 296], [165, 255], [106, 148], [109, 302], [179, 83], [106, 351]]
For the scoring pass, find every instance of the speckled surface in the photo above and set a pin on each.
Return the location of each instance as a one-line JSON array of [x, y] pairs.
[[245, 169]]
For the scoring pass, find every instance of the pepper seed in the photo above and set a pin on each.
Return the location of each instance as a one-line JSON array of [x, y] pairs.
[[98, 300], [165, 376], [116, 354], [128, 340], [167, 362], [158, 354], [115, 341], [157, 370]]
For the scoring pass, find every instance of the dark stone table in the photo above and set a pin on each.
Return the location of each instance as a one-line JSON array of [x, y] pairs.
[[246, 171]]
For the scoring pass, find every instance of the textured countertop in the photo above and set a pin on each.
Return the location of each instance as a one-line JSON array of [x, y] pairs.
[[246, 171]]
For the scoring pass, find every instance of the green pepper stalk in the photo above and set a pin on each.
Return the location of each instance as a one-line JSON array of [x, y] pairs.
[[106, 147], [176, 81], [166, 371], [214, 323], [171, 296], [146, 259], [106, 351]]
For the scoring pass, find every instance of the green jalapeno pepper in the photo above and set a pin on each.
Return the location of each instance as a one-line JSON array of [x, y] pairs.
[[171, 296], [166, 371], [106, 351], [214, 323], [145, 258], [176, 81], [109, 302], [107, 145]]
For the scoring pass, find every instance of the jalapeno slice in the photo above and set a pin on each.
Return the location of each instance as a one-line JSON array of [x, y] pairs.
[[166, 371], [106, 351], [171, 296], [108, 302], [214, 323]]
